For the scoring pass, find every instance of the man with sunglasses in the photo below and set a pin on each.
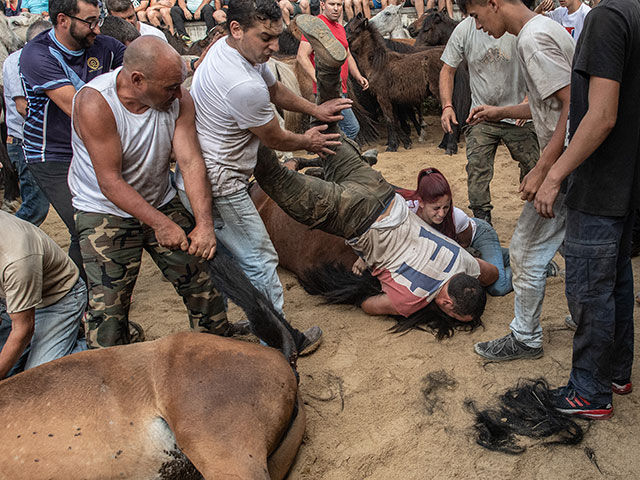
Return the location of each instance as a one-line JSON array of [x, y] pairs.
[[54, 65]]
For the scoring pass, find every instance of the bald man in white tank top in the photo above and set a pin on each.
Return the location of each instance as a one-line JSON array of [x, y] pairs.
[[125, 125]]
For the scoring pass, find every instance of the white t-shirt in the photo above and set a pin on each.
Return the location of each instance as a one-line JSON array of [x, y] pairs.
[[146, 29], [545, 51], [411, 259], [231, 95], [572, 22], [494, 72]]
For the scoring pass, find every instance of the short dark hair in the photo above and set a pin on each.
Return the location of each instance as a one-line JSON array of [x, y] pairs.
[[248, 12], [468, 296], [463, 3], [118, 5], [36, 28], [119, 29], [68, 7]]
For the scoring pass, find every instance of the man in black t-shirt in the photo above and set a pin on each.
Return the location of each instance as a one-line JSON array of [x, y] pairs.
[[602, 163]]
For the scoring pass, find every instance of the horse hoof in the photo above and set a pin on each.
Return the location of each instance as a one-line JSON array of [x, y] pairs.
[[392, 148]]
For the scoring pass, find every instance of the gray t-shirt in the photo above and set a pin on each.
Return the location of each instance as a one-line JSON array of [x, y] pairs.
[[545, 51], [494, 72]]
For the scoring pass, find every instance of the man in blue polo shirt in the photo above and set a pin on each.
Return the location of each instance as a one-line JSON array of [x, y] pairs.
[[53, 67]]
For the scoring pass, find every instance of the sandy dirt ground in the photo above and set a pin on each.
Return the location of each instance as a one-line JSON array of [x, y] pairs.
[[373, 411]]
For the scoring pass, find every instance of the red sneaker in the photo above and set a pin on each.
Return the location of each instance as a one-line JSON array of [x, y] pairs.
[[622, 388], [568, 401]]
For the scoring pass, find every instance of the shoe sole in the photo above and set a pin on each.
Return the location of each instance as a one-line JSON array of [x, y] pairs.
[[531, 356], [601, 414], [622, 390], [322, 40], [310, 349]]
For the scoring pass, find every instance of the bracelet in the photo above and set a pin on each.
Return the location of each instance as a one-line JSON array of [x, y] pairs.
[[446, 106]]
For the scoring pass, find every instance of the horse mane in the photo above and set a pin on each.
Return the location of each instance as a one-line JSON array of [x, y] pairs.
[[379, 51], [526, 410], [341, 286], [399, 47]]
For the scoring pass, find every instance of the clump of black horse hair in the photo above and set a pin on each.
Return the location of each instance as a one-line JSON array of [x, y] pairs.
[[526, 410], [265, 322], [338, 285]]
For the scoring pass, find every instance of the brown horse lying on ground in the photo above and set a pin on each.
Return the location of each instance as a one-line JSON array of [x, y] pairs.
[[188, 406], [299, 247]]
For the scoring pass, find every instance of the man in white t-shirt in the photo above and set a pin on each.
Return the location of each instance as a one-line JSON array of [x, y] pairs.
[[495, 79], [125, 125], [124, 9], [545, 52], [232, 90], [570, 14]]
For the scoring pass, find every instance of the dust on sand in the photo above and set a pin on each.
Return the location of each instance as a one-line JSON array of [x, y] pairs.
[[383, 406]]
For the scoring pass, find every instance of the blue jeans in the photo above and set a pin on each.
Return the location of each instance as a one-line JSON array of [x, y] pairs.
[[599, 287], [56, 330], [35, 205], [486, 242], [349, 124], [534, 243], [239, 229]]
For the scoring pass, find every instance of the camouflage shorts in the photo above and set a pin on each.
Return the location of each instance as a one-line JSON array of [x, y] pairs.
[[482, 142], [112, 252]]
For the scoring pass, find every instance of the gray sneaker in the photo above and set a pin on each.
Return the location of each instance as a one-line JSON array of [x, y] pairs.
[[506, 348], [311, 342]]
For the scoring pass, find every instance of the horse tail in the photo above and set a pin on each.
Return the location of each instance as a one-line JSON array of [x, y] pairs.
[[265, 322], [339, 285], [369, 127]]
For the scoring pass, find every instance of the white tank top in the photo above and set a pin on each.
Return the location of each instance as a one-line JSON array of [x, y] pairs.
[[146, 149]]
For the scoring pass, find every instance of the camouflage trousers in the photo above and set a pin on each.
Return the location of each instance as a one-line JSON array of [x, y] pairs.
[[112, 252], [482, 142], [345, 203]]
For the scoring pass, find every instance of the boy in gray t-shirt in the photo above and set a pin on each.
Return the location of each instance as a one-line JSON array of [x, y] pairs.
[[545, 51], [495, 79]]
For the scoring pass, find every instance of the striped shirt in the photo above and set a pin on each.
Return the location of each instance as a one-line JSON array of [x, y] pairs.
[[45, 65]]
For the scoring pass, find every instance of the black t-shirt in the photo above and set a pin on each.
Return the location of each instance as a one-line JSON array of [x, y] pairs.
[[608, 182]]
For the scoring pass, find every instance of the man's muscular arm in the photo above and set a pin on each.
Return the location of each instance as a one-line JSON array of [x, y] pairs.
[[196, 182], [312, 140], [328, 111], [96, 126]]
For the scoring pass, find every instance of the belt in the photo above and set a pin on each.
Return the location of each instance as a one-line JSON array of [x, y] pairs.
[[13, 140]]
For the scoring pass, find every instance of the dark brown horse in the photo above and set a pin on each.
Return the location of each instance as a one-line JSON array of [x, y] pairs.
[[395, 79]]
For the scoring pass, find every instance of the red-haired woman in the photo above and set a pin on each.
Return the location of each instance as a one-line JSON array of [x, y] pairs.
[[432, 201]]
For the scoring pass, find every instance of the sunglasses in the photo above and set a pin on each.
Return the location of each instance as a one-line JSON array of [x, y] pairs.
[[92, 23]]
